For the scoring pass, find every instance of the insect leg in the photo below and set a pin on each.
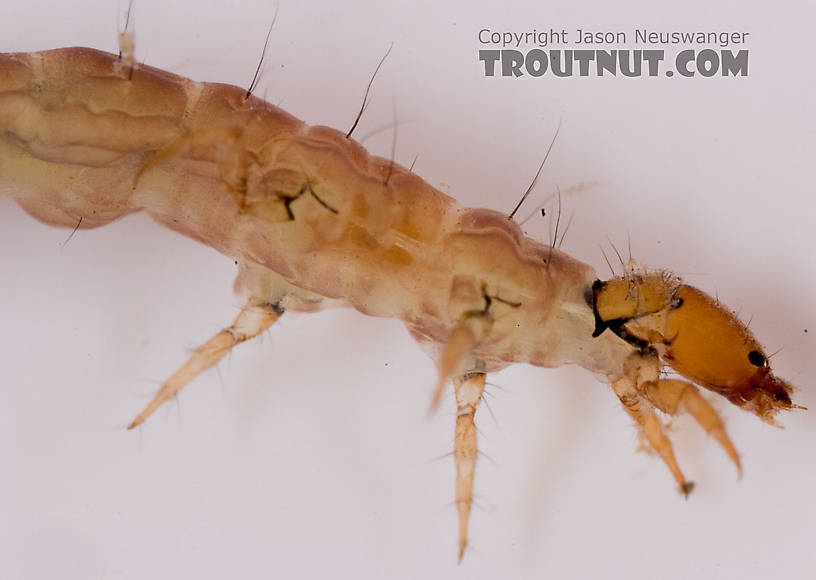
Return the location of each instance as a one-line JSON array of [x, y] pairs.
[[651, 428], [469, 389], [467, 334], [253, 319], [669, 395]]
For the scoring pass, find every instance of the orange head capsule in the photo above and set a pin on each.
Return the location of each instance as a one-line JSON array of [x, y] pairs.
[[694, 334], [709, 345]]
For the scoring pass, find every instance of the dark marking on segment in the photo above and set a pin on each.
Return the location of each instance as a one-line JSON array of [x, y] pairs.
[[618, 327], [307, 188], [507, 302], [591, 297]]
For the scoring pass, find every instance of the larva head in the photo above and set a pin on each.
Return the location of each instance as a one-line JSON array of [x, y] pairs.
[[707, 343], [695, 335]]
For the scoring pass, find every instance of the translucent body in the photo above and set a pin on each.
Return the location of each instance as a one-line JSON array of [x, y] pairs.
[[313, 220], [89, 143]]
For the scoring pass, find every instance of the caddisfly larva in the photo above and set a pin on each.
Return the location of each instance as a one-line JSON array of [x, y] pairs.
[[473, 303], [310, 216]]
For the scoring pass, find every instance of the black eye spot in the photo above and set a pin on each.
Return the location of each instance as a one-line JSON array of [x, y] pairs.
[[755, 357]]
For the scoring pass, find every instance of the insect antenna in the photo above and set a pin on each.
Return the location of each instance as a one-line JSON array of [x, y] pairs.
[[257, 74], [367, 91], [540, 167]]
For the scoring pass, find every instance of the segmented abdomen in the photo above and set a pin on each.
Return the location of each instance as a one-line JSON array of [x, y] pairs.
[[307, 212]]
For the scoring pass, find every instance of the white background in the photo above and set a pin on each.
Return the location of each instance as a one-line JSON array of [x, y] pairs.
[[308, 453]]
